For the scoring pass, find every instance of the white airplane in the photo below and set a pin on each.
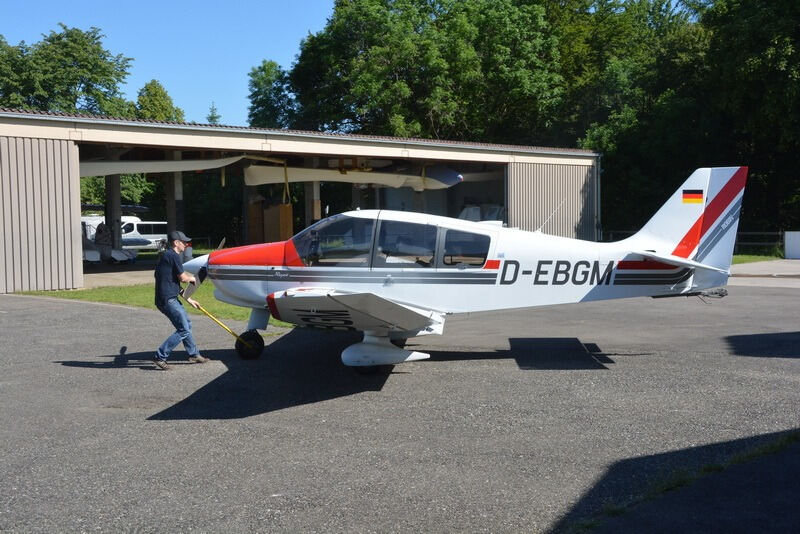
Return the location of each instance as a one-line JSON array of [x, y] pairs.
[[395, 275]]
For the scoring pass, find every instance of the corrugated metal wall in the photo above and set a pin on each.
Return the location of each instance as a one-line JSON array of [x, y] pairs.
[[40, 215], [535, 191]]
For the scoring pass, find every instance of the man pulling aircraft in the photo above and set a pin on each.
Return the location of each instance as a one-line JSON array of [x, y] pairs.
[[395, 275]]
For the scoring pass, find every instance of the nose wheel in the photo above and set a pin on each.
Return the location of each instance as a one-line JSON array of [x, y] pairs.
[[249, 345]]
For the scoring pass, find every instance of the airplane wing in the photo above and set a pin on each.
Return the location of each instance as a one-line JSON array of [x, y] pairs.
[[337, 310], [678, 261]]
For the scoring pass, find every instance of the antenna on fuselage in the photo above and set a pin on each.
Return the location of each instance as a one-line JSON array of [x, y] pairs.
[[551, 215]]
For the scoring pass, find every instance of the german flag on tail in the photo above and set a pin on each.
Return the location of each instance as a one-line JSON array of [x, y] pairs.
[[692, 196]]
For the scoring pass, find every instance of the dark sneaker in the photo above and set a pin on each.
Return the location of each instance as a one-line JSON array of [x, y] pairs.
[[198, 358], [161, 364]]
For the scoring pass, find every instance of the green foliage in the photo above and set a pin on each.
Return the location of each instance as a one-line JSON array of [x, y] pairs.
[[66, 71], [143, 296], [155, 103], [93, 190], [213, 116], [135, 188], [271, 105], [477, 69]]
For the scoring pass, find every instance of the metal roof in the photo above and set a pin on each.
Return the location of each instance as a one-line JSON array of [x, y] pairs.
[[210, 128]]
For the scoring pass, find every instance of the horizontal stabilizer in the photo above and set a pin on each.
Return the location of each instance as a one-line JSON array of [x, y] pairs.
[[678, 261]]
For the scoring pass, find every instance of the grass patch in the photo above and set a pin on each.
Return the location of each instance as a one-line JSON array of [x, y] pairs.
[[770, 448], [142, 296], [751, 258], [613, 510], [586, 525], [677, 480]]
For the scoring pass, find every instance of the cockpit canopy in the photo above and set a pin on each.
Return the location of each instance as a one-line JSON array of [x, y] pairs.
[[346, 241]]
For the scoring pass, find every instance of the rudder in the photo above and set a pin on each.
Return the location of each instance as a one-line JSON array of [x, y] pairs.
[[700, 219]]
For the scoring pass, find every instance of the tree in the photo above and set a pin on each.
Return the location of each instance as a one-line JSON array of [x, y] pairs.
[[271, 104], [754, 85], [717, 85], [213, 116], [67, 71], [473, 69], [154, 103], [93, 190]]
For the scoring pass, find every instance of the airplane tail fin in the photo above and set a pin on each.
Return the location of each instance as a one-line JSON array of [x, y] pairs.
[[698, 223]]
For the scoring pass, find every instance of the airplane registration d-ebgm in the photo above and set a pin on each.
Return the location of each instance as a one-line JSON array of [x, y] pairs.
[[395, 275]]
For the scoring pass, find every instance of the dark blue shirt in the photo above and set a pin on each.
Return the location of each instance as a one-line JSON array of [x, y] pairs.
[[168, 269]]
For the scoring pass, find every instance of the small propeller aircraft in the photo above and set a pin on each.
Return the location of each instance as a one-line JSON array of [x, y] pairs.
[[395, 275]]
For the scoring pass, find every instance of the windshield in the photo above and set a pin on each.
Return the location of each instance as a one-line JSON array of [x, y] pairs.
[[338, 241]]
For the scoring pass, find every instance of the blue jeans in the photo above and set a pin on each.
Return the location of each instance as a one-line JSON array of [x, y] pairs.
[[183, 329]]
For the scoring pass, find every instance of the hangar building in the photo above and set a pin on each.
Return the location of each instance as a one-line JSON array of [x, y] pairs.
[[44, 154]]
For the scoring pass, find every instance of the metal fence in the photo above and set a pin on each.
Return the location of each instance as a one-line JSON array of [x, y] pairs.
[[769, 243]]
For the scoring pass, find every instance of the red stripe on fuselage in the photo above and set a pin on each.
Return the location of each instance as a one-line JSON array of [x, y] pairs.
[[712, 212], [492, 264], [645, 265]]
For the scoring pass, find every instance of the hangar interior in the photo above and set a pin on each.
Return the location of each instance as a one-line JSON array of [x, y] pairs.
[[44, 155]]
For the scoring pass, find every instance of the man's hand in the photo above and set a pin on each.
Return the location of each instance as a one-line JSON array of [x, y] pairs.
[[193, 302]]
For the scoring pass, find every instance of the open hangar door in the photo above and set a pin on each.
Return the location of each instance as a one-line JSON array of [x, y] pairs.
[[558, 198], [480, 195], [473, 190]]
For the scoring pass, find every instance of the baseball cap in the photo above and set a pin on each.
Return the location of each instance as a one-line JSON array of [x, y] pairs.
[[180, 236]]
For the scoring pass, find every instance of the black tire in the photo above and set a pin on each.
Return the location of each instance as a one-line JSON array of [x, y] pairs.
[[256, 342]]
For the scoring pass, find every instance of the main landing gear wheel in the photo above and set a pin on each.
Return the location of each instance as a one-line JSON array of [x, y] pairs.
[[255, 342]]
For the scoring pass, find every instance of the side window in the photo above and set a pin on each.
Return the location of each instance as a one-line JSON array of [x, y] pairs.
[[402, 244], [338, 241], [158, 228], [127, 228], [465, 249]]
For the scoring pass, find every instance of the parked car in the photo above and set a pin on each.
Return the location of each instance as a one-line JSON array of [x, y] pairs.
[[155, 232]]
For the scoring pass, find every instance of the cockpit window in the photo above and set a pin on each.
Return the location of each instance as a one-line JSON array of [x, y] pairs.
[[465, 249], [402, 244], [338, 241]]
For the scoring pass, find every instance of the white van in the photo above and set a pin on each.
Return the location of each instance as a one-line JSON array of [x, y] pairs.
[[153, 231], [134, 230]]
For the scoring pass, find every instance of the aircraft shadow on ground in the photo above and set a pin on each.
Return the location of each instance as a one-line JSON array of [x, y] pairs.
[[301, 367], [698, 489], [541, 354], [772, 345]]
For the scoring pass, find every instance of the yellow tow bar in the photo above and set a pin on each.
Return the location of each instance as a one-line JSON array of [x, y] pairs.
[[223, 325]]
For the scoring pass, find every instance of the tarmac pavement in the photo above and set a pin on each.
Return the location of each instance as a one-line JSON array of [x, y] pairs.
[[523, 421]]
